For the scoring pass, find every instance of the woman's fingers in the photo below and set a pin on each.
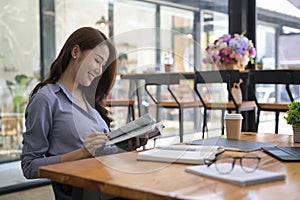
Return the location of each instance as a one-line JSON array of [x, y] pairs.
[[93, 141]]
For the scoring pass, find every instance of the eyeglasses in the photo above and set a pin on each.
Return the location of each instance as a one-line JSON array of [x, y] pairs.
[[248, 163]]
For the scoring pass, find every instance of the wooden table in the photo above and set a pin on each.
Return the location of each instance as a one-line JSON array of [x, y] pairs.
[[122, 175]]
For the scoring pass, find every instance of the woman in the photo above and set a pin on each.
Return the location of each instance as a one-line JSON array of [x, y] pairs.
[[65, 117]]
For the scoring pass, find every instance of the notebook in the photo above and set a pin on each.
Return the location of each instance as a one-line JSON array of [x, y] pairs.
[[236, 145], [287, 154], [188, 154], [237, 176]]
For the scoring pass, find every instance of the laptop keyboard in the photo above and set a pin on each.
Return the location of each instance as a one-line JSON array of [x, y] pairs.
[[295, 151]]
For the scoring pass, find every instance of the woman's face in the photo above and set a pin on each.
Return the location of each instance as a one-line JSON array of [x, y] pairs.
[[91, 64]]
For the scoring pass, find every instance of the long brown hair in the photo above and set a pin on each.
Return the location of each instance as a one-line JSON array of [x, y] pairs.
[[87, 38]]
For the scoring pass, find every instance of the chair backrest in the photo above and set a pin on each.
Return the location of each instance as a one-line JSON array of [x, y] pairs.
[[163, 79], [295, 76], [160, 80], [273, 77], [218, 76], [229, 77], [295, 83]]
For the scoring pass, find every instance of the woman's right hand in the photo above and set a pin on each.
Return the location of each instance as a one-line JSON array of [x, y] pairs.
[[93, 141]]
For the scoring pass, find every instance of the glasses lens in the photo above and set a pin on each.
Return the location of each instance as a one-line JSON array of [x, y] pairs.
[[249, 163], [224, 164]]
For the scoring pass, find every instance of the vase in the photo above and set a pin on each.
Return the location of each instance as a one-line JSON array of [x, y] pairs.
[[296, 133], [237, 65], [259, 66]]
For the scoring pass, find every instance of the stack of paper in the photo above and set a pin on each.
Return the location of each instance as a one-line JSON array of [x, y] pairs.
[[238, 176]]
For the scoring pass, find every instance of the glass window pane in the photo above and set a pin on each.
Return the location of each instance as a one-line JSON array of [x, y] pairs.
[[215, 24], [135, 34], [19, 20], [19, 58], [73, 14], [176, 37], [265, 46]]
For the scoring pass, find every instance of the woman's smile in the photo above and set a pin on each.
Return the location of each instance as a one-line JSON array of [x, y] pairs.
[[91, 76]]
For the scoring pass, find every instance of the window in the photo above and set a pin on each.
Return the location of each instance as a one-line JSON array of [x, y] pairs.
[[134, 34], [177, 37], [20, 55], [73, 14]]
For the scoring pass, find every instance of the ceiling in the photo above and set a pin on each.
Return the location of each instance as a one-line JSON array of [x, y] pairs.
[[278, 17]]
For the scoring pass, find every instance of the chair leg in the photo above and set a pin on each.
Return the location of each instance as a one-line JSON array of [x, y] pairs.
[[180, 124], [157, 113], [222, 122], [204, 123], [132, 112], [257, 119], [128, 114], [276, 121]]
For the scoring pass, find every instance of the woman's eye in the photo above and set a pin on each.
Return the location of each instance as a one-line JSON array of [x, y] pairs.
[[97, 61]]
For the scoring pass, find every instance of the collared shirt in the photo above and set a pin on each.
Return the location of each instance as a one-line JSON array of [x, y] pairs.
[[55, 124]]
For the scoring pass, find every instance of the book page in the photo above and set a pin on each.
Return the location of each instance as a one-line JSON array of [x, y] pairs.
[[133, 125]]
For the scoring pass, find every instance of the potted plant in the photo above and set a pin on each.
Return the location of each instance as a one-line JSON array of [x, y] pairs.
[[293, 118], [18, 90], [259, 63]]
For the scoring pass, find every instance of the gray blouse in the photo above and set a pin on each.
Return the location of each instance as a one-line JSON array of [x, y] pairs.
[[55, 124]]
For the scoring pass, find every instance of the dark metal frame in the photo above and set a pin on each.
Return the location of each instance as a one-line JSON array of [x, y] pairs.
[[228, 77], [273, 77]]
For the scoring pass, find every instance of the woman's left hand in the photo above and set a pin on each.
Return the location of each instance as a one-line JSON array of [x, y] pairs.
[[137, 142]]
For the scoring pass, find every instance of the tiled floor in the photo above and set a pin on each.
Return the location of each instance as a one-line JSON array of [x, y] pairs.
[[39, 193]]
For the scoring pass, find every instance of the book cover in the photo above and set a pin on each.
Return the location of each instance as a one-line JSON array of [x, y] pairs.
[[144, 120], [153, 130], [187, 154], [238, 176]]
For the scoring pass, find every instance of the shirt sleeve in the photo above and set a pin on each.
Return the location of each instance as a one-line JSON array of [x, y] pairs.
[[38, 121]]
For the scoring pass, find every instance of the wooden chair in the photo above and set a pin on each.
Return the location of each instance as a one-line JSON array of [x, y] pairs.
[[225, 101], [120, 97], [273, 78], [11, 128], [168, 84], [129, 103]]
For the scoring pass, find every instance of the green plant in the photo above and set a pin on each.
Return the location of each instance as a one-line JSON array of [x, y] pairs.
[[18, 90], [293, 114]]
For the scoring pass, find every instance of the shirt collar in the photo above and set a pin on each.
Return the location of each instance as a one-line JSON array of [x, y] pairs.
[[91, 110]]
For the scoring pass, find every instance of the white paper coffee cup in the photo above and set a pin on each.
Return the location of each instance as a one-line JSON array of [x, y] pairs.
[[233, 123]]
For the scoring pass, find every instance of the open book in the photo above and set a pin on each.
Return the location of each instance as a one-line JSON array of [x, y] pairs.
[[139, 127], [237, 176], [188, 154]]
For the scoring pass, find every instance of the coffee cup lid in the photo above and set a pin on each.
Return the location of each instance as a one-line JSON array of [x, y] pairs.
[[233, 116]]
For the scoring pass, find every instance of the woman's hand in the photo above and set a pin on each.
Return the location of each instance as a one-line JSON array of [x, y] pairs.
[[93, 141], [137, 142]]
